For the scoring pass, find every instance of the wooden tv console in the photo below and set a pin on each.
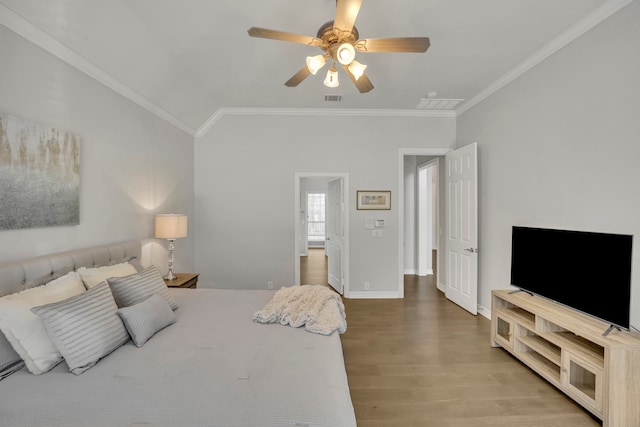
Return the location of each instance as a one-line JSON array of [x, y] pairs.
[[567, 348]]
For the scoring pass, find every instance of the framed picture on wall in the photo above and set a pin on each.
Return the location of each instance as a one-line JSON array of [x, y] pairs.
[[39, 175], [373, 200]]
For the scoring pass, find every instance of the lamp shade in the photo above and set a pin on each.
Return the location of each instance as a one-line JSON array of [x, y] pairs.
[[345, 54], [332, 78], [314, 63], [171, 226], [357, 69]]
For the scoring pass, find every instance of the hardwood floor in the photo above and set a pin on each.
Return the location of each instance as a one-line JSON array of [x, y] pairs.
[[423, 361], [313, 268]]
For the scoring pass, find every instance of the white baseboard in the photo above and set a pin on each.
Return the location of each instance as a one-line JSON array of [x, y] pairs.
[[374, 295], [415, 273], [428, 273], [484, 311]]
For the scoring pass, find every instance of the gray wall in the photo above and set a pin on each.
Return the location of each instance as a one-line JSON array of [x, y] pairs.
[[244, 190], [133, 164], [560, 148]]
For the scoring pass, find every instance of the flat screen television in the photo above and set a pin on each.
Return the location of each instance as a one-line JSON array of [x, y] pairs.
[[590, 272]]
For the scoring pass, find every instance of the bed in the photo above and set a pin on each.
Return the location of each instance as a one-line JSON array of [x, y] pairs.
[[214, 367]]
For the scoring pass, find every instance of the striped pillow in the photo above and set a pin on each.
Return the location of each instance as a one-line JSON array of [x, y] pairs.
[[84, 328], [10, 361], [130, 290], [146, 318]]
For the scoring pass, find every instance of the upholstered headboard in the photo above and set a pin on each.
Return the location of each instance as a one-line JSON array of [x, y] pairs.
[[16, 276]]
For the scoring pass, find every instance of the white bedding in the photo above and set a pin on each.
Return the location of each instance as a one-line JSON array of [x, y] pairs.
[[213, 367], [316, 307]]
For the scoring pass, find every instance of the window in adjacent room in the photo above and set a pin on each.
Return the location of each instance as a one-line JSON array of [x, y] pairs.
[[316, 219]]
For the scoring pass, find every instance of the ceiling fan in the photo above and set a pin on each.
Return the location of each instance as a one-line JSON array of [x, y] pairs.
[[339, 39]]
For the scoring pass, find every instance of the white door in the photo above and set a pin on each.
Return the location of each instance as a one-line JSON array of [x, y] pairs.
[[335, 233], [462, 227]]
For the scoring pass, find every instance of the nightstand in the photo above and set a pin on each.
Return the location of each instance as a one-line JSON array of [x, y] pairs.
[[183, 280]]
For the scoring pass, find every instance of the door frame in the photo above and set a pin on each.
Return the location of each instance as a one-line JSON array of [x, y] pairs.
[[431, 222], [298, 176], [402, 152]]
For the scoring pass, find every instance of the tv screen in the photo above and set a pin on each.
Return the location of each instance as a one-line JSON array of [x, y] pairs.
[[590, 272]]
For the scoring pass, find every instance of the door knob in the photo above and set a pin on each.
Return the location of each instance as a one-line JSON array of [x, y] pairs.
[[472, 250]]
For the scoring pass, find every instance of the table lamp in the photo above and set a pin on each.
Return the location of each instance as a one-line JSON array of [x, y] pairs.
[[171, 227]]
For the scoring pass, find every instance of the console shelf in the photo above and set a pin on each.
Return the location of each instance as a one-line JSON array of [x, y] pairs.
[[543, 347], [567, 348]]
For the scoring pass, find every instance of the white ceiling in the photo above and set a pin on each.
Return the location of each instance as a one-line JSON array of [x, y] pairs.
[[188, 59]]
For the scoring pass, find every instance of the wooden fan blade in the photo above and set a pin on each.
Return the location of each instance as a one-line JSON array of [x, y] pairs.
[[363, 84], [346, 14], [400, 44], [281, 35], [298, 77]]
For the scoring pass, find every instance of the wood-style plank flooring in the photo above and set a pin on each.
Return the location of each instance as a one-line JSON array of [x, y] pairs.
[[423, 361], [313, 268]]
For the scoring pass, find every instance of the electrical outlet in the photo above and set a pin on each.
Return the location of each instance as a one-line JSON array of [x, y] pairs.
[[366, 286], [269, 284]]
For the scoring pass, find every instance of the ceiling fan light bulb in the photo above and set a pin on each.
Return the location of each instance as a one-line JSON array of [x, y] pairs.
[[332, 78], [315, 63], [346, 53], [357, 69]]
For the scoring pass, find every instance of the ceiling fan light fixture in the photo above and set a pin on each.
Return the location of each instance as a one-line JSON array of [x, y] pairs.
[[346, 53], [332, 77], [315, 63], [357, 69]]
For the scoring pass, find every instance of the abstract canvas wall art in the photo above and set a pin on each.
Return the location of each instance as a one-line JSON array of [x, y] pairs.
[[39, 175]]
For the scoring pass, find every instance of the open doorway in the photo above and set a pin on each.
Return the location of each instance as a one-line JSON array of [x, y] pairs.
[[421, 216], [313, 254], [322, 238]]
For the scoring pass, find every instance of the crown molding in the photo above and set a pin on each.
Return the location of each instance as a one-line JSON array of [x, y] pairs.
[[323, 112], [577, 30], [30, 32]]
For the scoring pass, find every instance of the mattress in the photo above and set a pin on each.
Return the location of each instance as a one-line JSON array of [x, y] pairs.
[[213, 367]]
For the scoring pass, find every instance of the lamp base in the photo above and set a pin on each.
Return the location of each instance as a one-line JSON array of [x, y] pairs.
[[170, 276]]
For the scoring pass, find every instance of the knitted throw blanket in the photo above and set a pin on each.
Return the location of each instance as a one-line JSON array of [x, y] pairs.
[[318, 308]]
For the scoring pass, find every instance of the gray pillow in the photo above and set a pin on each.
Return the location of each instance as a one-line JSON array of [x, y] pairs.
[[10, 361], [144, 319], [84, 328], [130, 290]]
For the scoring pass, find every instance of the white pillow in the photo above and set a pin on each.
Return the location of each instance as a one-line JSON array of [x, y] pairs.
[[25, 331], [93, 276]]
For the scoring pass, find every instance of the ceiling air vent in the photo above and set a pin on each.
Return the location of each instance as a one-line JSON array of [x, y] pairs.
[[333, 98], [432, 102], [438, 104]]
